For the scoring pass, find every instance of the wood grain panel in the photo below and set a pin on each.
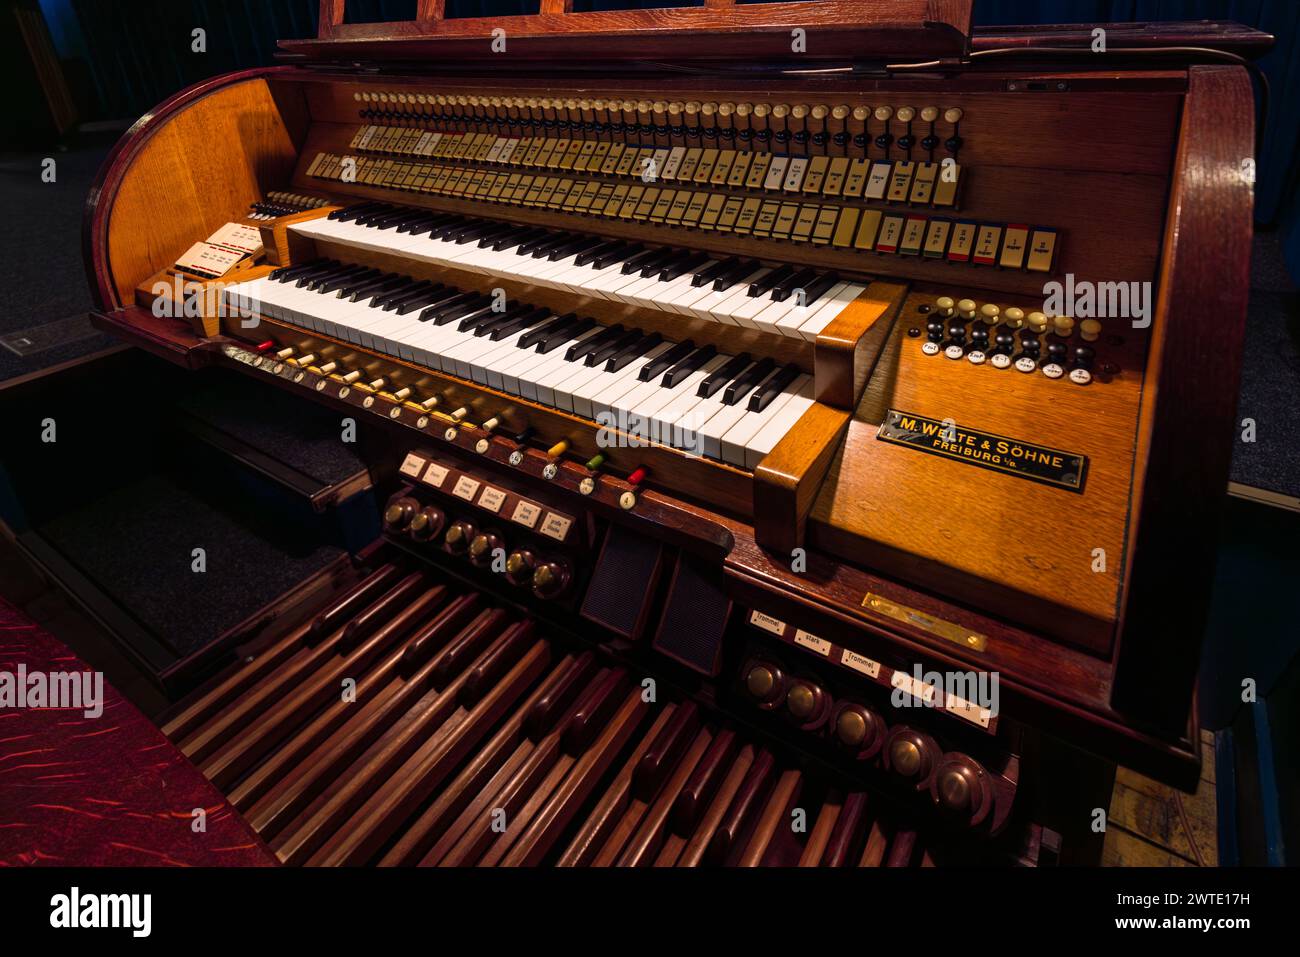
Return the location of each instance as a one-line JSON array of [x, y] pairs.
[[197, 171], [1000, 542]]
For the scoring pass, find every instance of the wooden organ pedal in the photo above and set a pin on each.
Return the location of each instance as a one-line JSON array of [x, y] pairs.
[[775, 390]]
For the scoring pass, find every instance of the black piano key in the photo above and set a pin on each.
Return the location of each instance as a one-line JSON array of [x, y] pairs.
[[445, 312], [446, 230], [553, 241], [605, 260], [507, 329], [426, 298], [604, 248], [397, 292], [739, 274], [373, 288], [472, 313], [662, 261], [580, 350], [544, 238], [714, 270], [636, 350], [282, 273], [323, 271], [764, 285], [681, 267], [329, 280], [536, 335], [611, 349], [516, 239], [720, 377], [666, 361], [413, 222], [819, 287], [348, 213], [772, 386], [573, 248], [379, 212], [781, 290], [491, 320], [451, 295], [419, 289], [688, 365], [755, 374], [641, 259], [582, 328]]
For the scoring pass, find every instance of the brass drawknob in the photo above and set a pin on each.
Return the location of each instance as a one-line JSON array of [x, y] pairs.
[[802, 701], [482, 546], [398, 515], [458, 536], [851, 727], [955, 789], [905, 756], [519, 566], [550, 579], [760, 682]]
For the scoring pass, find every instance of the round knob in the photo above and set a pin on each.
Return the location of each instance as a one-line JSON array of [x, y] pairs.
[[760, 682], [801, 700], [1014, 317], [944, 306], [911, 755], [858, 729], [764, 683], [427, 523], [956, 789], [967, 309], [1037, 322], [989, 313], [550, 578], [458, 537], [520, 565], [1063, 326], [851, 728], [399, 514], [483, 546]]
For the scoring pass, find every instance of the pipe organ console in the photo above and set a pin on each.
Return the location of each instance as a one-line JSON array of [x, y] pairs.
[[759, 436]]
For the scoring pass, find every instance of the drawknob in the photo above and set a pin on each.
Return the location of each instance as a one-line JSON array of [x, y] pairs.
[[911, 755], [399, 514], [550, 578], [520, 565], [458, 537], [764, 683], [858, 728], [805, 703], [962, 788], [427, 523], [483, 546]]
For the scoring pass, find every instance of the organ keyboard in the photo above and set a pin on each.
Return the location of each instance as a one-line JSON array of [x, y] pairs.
[[782, 386]]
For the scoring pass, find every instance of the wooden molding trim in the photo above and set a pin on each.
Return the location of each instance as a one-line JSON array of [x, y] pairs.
[[1189, 404]]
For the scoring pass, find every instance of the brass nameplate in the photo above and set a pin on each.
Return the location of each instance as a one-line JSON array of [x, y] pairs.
[[919, 619], [1025, 460]]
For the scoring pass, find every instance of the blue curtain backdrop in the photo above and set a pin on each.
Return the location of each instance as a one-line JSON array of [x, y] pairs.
[[138, 53]]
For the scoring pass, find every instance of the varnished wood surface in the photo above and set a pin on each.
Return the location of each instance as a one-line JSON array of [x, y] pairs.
[[716, 28], [988, 538], [1189, 418], [180, 187]]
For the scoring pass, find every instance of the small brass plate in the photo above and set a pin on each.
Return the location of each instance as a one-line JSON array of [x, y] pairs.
[[919, 619]]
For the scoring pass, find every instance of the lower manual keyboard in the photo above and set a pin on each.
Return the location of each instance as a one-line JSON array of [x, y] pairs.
[[730, 408]]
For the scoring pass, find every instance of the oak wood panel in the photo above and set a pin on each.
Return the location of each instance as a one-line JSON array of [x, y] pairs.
[[1016, 547], [789, 477], [200, 169]]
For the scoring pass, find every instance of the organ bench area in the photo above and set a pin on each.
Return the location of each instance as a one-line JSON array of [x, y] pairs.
[[714, 396]]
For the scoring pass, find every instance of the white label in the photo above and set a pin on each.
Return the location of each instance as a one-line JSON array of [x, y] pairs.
[[775, 625], [975, 358], [411, 465], [492, 499], [1000, 360], [466, 488], [968, 710], [953, 352], [527, 514], [1080, 376], [237, 236], [819, 645], [917, 689], [930, 348], [1053, 371], [434, 475], [555, 526], [1026, 364], [860, 663]]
